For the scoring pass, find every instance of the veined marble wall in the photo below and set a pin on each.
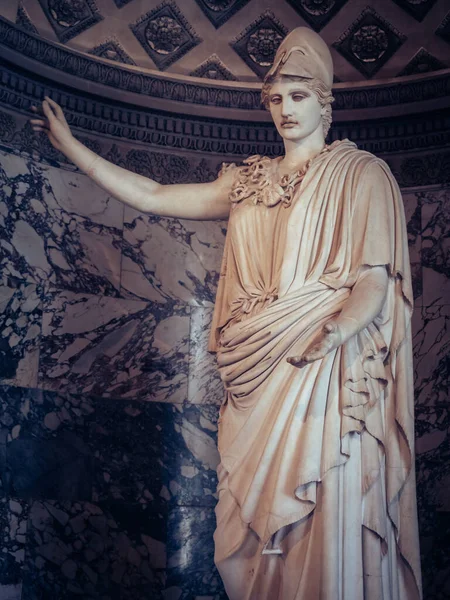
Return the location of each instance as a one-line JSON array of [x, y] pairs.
[[109, 400]]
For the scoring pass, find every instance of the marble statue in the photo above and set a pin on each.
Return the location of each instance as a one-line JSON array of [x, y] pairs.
[[312, 333]]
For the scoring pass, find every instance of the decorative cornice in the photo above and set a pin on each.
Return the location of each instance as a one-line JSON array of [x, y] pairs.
[[126, 124], [418, 170], [227, 98], [431, 168]]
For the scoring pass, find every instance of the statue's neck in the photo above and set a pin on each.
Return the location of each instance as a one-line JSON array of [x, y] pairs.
[[298, 152]]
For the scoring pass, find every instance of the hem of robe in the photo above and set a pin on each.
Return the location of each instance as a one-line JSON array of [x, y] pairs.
[[311, 479], [399, 497]]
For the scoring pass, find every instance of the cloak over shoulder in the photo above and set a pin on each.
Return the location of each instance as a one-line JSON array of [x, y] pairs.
[[287, 435]]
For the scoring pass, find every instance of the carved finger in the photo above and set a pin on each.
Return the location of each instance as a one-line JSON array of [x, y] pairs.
[[38, 122], [48, 111], [56, 108], [296, 361], [315, 355], [330, 327]]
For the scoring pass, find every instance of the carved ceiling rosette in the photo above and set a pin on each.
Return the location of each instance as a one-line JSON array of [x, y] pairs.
[[416, 8], [317, 13], [219, 11], [165, 34], [258, 43], [369, 42], [69, 18]]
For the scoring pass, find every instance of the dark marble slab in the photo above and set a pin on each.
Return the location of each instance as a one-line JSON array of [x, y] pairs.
[[13, 527], [436, 559], [43, 454], [111, 551], [114, 347], [191, 572], [58, 228], [193, 455], [435, 241], [69, 447], [433, 498], [20, 330], [130, 449], [413, 216], [433, 461], [431, 348]]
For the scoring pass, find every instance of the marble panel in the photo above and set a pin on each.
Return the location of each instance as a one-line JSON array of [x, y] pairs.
[[131, 451], [13, 525], [436, 247], [20, 330], [433, 459], [193, 456], [11, 592], [70, 447], [58, 228], [171, 259], [90, 551], [43, 452], [431, 347], [435, 559], [190, 555], [433, 498], [413, 212], [114, 347], [205, 385]]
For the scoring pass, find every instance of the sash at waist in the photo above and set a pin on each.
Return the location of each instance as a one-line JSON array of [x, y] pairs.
[[249, 350]]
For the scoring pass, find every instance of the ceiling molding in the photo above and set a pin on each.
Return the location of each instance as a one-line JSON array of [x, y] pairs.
[[101, 119], [211, 98]]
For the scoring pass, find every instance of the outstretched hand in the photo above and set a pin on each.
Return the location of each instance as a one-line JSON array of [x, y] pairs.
[[331, 338], [53, 123]]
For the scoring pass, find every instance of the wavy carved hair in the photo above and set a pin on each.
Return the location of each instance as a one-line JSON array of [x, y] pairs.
[[317, 86]]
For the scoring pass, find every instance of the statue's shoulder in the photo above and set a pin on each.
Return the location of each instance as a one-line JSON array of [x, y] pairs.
[[360, 159]]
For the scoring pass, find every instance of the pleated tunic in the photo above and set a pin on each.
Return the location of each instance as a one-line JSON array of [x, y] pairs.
[[316, 479]]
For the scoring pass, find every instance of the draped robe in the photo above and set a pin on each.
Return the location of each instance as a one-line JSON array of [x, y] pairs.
[[317, 462]]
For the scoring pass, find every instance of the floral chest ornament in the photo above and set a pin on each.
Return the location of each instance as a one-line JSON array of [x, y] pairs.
[[258, 179]]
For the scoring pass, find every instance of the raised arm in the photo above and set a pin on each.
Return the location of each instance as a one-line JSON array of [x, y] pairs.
[[199, 201]]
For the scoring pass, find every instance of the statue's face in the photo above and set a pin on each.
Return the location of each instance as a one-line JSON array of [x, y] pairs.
[[295, 109]]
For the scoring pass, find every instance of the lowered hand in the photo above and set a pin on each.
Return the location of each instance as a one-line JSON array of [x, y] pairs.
[[330, 339]]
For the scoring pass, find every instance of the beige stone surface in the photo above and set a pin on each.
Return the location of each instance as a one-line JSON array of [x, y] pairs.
[[317, 459]]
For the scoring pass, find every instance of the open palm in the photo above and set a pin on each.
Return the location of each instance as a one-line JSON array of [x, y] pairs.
[[331, 338]]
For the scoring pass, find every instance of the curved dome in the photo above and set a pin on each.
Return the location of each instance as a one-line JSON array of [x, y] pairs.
[[185, 77], [236, 39]]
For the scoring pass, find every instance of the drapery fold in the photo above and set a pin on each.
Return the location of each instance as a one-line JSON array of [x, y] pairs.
[[288, 434]]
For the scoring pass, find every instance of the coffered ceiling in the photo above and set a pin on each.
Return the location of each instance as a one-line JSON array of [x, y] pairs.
[[237, 39]]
